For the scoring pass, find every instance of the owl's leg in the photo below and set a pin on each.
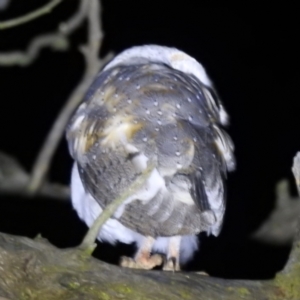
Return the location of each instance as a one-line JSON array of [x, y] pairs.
[[143, 258], [172, 260]]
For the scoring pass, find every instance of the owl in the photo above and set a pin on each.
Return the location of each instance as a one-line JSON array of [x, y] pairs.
[[152, 105]]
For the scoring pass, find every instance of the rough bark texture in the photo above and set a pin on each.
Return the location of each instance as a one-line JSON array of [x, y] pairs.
[[34, 269]]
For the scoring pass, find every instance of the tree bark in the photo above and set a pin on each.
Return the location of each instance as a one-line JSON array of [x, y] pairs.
[[34, 269]]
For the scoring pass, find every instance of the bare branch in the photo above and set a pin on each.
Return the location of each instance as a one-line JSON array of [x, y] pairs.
[[280, 227], [14, 180], [50, 273], [76, 20], [296, 170], [292, 268], [56, 41], [91, 10], [93, 64], [30, 16]]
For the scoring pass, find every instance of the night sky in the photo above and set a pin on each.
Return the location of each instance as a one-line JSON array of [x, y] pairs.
[[250, 52]]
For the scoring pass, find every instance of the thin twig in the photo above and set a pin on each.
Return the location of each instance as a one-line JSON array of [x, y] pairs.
[[56, 41], [76, 20], [54, 191], [14, 180], [30, 16], [93, 64]]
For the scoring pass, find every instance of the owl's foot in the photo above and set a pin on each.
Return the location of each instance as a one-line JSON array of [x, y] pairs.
[[146, 263], [143, 258], [171, 264], [172, 261]]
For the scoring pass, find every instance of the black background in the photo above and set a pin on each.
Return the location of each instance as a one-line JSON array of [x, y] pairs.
[[251, 53]]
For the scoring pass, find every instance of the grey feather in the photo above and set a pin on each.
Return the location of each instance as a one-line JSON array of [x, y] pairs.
[[152, 111]]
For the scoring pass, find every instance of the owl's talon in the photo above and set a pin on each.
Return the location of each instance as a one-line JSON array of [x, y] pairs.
[[142, 263], [171, 264], [127, 262]]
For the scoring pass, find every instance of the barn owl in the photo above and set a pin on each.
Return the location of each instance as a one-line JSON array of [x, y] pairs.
[[152, 104]]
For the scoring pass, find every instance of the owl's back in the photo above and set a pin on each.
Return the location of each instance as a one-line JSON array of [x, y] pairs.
[[149, 112]]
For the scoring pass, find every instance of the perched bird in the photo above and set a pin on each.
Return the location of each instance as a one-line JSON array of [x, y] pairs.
[[152, 105]]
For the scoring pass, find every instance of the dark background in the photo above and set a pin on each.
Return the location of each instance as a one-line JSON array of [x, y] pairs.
[[250, 52]]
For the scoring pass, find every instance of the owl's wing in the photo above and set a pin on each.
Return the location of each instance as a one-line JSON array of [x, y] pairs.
[[149, 112]]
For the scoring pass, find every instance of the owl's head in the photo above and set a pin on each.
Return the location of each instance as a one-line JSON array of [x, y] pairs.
[[175, 59], [170, 56]]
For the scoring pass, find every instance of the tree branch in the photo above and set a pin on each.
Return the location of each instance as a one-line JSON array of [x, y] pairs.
[[76, 20], [293, 265], [37, 270], [288, 280], [14, 180], [93, 64], [56, 41], [280, 227], [30, 16]]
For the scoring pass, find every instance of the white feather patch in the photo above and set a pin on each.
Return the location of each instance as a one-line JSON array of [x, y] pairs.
[[224, 118]]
